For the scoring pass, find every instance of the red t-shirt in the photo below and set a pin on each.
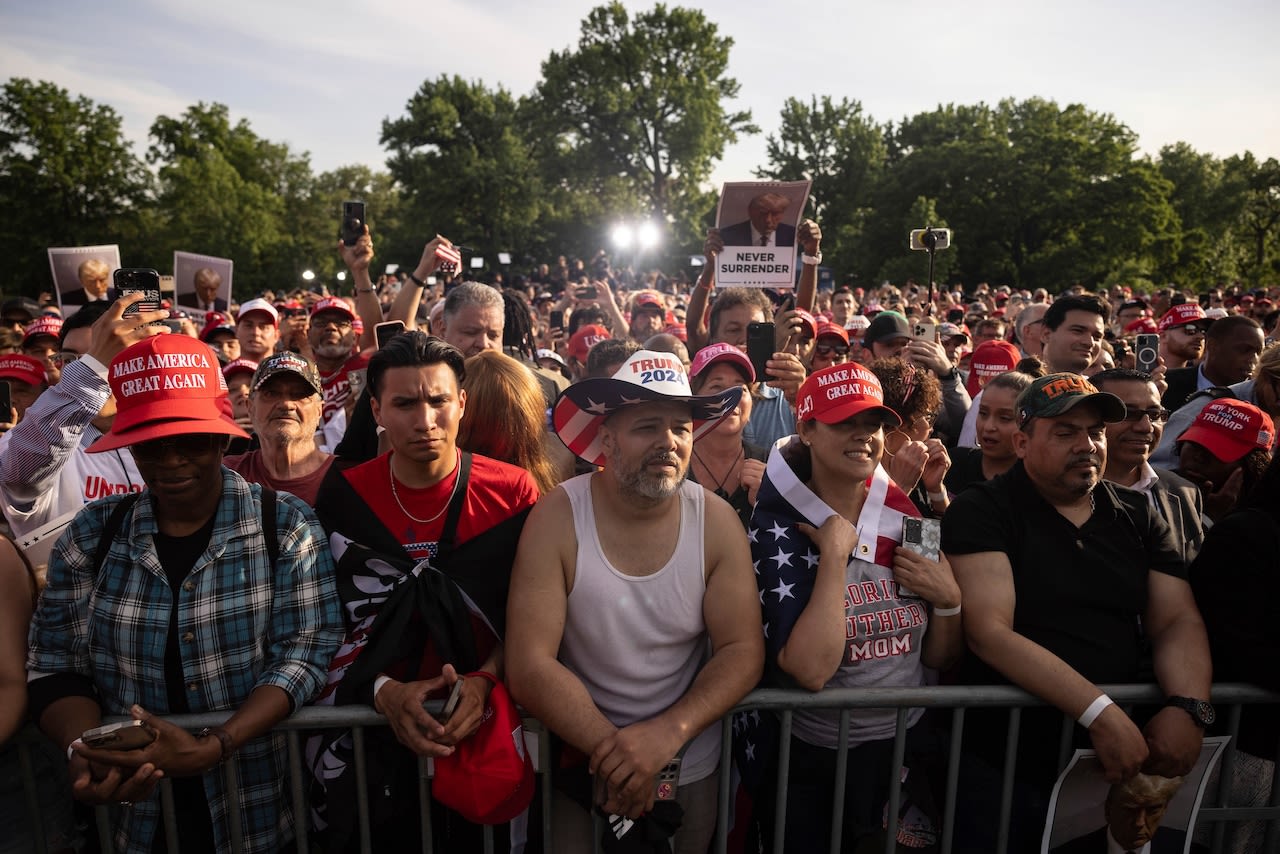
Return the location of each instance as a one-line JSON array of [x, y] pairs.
[[251, 467], [496, 491], [337, 386]]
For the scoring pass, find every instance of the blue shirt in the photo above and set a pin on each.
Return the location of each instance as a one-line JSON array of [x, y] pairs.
[[242, 625]]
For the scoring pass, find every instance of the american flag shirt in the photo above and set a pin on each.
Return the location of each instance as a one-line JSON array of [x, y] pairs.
[[883, 629]]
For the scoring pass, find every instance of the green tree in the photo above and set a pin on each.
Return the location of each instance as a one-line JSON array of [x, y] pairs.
[[462, 161], [226, 191], [842, 151], [1258, 226], [643, 99], [68, 177]]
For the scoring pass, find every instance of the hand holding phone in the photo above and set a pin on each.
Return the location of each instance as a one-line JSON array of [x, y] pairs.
[[1147, 352], [352, 222], [924, 537], [760, 344], [451, 704], [384, 332], [125, 735], [130, 280]]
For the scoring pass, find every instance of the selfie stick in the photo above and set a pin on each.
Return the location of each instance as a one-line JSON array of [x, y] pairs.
[[930, 241]]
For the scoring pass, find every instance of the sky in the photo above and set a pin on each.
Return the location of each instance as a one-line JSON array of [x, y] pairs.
[[322, 76]]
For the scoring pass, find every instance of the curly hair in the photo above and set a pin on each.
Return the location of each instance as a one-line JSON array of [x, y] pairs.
[[910, 391]]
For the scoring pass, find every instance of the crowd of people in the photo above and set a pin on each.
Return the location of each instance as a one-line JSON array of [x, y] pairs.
[[579, 483]]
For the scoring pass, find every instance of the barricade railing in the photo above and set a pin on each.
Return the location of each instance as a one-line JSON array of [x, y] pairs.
[[1217, 812]]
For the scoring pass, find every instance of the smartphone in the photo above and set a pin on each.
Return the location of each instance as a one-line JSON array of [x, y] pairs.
[[384, 332], [352, 222], [356, 379], [451, 704], [760, 344], [125, 735], [586, 293], [6, 400], [173, 324], [924, 537], [131, 280], [1147, 352], [556, 320], [924, 330]]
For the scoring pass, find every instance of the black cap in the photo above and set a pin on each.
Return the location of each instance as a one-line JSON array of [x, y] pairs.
[[886, 324], [26, 305]]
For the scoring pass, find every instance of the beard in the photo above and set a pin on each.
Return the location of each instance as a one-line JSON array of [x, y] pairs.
[[642, 483]]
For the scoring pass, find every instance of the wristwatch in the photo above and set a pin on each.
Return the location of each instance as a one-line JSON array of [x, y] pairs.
[[1201, 711]]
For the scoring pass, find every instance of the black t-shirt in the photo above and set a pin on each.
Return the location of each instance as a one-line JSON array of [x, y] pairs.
[[965, 471]]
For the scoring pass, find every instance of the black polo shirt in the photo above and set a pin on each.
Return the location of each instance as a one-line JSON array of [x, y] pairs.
[[1081, 592]]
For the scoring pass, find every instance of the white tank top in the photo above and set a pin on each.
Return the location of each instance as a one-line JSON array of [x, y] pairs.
[[638, 642]]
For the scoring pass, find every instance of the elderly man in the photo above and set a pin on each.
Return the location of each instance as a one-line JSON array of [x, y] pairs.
[[611, 621], [94, 275], [764, 225], [1027, 328], [220, 597], [205, 283], [1067, 581], [474, 315], [333, 342], [1133, 811], [284, 408], [257, 329]]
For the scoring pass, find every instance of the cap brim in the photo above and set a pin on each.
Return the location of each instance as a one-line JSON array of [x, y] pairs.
[[1113, 408], [1224, 447], [162, 429], [847, 410], [583, 407]]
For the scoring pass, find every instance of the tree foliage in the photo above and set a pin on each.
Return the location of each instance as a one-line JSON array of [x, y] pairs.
[[644, 99]]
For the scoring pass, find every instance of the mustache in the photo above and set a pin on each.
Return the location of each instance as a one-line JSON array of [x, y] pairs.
[[662, 457], [1076, 459]]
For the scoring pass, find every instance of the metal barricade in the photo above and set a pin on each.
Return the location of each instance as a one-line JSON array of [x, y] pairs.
[[1229, 698]]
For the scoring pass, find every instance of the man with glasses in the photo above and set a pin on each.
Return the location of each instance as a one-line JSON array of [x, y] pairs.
[[332, 338], [1232, 346], [45, 473], [1129, 446], [202, 593], [831, 347], [1182, 330]]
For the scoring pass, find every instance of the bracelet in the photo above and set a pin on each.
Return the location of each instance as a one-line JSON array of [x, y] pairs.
[[937, 496], [70, 751], [364, 290], [419, 282], [814, 259], [1095, 708], [946, 612], [224, 741]]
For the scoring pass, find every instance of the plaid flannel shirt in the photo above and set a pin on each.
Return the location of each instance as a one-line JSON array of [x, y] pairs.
[[241, 627]]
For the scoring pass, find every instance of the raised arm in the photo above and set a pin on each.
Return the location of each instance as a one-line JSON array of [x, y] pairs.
[[811, 245], [986, 585], [406, 305], [696, 314], [368, 306]]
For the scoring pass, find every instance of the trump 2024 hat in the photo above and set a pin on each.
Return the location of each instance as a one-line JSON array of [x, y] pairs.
[[1055, 394], [1229, 429], [166, 385], [646, 377], [286, 362], [836, 393], [721, 352]]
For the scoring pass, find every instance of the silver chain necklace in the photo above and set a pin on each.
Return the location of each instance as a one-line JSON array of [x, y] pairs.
[[391, 474]]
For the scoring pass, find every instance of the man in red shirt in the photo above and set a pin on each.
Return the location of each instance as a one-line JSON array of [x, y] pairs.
[[406, 531], [332, 338]]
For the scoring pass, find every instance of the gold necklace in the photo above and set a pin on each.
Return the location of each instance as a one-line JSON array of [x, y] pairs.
[[391, 473]]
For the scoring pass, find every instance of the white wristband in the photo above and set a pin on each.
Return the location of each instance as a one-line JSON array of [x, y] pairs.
[[946, 612], [1095, 708], [935, 497], [378, 683], [71, 748]]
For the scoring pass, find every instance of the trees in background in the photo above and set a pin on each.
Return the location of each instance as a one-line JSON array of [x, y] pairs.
[[629, 123]]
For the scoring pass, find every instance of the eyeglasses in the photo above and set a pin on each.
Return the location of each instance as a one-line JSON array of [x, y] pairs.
[[1157, 416], [828, 349], [66, 357], [1193, 329], [188, 446]]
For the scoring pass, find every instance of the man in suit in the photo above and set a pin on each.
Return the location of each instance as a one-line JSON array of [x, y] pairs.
[[1231, 349], [764, 225], [1133, 810], [1129, 446], [95, 277], [205, 296]]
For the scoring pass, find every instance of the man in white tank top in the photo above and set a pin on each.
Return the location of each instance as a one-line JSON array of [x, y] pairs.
[[631, 632]]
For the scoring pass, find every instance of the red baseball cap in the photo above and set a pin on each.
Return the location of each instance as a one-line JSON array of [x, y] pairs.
[[713, 353], [1182, 314], [216, 322], [647, 300], [585, 338], [237, 365], [841, 391], [808, 321], [24, 369], [1229, 429], [166, 385], [826, 327], [1143, 325], [333, 304], [990, 359], [45, 324]]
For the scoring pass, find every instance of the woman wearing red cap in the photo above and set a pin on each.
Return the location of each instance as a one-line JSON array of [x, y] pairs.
[[723, 461]]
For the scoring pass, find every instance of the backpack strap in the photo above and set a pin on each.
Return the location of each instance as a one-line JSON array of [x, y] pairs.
[[269, 531], [449, 534], [109, 531]]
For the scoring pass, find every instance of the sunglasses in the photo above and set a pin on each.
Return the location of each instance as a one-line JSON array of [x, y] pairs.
[[188, 446], [1193, 329], [828, 349], [1157, 416]]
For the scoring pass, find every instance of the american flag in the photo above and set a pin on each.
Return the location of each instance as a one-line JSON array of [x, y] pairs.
[[786, 564]]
